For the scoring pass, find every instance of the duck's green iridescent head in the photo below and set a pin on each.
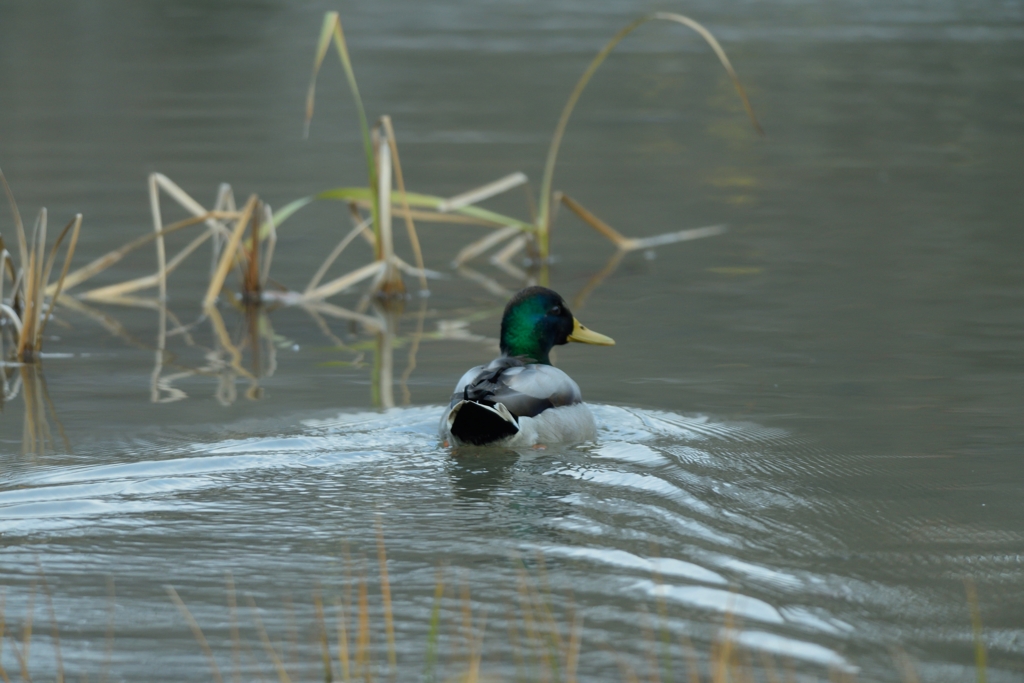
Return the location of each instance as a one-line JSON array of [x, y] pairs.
[[537, 319]]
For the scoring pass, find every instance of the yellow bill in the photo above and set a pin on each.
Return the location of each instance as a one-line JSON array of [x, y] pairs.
[[582, 334]]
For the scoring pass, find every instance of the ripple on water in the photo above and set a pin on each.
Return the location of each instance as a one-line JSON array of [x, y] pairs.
[[713, 518]]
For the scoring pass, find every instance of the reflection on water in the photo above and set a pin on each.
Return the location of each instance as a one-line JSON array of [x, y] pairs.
[[42, 432]]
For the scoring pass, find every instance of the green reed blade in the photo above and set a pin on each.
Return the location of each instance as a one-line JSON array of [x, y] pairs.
[[332, 28]]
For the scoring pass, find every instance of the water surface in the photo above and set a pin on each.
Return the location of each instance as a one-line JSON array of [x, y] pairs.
[[810, 424]]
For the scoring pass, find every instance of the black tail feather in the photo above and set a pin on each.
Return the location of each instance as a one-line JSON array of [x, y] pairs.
[[478, 425]]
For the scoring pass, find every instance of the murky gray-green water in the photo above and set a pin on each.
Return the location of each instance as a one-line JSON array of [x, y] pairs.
[[812, 423]]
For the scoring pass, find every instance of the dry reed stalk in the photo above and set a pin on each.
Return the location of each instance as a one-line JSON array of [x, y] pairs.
[[252, 276], [374, 269], [724, 651], [422, 206], [292, 646], [359, 229], [236, 638], [28, 311], [20, 653], [414, 239], [224, 209], [54, 632], [3, 630], [632, 244], [502, 257], [573, 655], [467, 615], [979, 644], [385, 589], [652, 645], [228, 256], [692, 667], [389, 282], [197, 632], [434, 630], [513, 639], [343, 657], [483, 192], [546, 195], [363, 637], [526, 607], [476, 652], [555, 643], [158, 279], [378, 192], [478, 247], [271, 242], [16, 215], [100, 264], [325, 649], [217, 229], [282, 673]]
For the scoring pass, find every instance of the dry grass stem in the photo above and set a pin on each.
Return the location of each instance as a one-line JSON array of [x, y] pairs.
[[414, 239], [282, 673], [28, 312], [158, 279], [228, 256], [632, 244], [376, 268], [487, 191], [196, 632], [385, 589], [389, 282], [236, 638], [363, 637], [980, 663], [54, 632], [483, 244], [343, 655], [104, 262], [360, 228], [546, 195], [325, 649]]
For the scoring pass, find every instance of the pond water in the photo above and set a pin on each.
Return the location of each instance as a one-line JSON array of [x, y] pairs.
[[810, 428]]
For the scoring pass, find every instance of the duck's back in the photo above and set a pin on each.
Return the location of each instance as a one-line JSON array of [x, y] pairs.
[[512, 402]]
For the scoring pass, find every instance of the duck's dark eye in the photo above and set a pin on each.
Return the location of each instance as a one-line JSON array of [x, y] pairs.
[[557, 310]]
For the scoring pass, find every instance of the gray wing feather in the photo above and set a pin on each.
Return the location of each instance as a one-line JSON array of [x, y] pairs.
[[468, 378], [526, 390], [543, 381]]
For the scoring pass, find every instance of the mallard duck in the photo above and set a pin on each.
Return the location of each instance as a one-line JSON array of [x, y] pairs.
[[519, 398]]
